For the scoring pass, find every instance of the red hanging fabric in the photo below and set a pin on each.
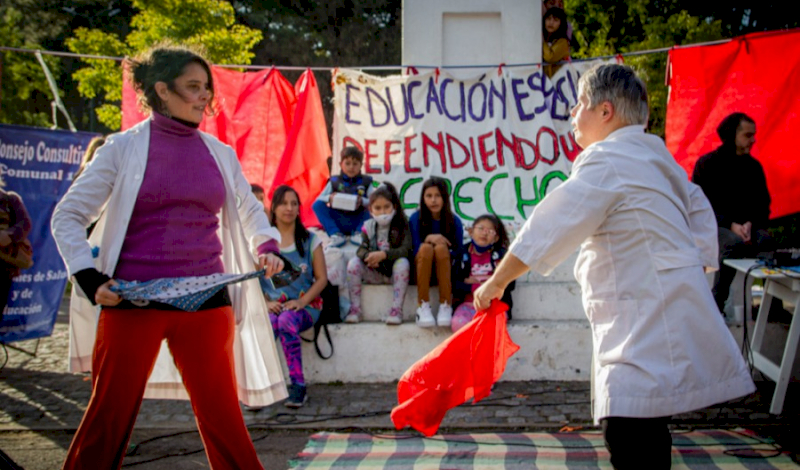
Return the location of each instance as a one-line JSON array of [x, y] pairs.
[[755, 74], [255, 112], [463, 367], [304, 164]]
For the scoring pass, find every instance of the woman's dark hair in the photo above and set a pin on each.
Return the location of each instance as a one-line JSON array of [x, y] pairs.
[[300, 232], [94, 144], [164, 63], [561, 32], [399, 225], [728, 127], [499, 228], [447, 220]]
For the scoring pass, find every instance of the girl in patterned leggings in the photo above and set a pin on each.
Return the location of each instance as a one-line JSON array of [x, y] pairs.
[[294, 305], [383, 255]]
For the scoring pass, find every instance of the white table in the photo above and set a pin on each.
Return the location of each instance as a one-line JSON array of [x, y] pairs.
[[784, 287]]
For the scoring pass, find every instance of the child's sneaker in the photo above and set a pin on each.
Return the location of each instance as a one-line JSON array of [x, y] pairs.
[[353, 316], [445, 315], [337, 240], [355, 239], [395, 317], [424, 316], [297, 396]]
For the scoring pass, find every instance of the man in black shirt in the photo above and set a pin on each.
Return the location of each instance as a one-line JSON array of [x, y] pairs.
[[735, 184]]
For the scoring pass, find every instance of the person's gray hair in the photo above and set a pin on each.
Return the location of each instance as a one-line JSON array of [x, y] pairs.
[[619, 85]]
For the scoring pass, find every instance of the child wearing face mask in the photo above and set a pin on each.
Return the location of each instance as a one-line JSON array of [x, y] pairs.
[[382, 257], [477, 263]]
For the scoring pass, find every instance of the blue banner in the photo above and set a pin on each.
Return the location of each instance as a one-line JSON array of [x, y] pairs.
[[38, 164]]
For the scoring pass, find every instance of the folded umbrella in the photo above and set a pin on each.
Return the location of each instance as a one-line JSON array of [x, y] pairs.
[[463, 367]]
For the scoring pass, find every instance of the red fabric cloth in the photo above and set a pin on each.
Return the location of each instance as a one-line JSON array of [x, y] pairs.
[[464, 366], [304, 164], [755, 74]]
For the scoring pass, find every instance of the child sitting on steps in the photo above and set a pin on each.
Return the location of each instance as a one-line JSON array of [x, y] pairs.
[[477, 264], [437, 236], [383, 255], [340, 224]]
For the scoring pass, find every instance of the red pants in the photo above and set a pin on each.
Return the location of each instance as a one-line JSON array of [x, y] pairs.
[[125, 352]]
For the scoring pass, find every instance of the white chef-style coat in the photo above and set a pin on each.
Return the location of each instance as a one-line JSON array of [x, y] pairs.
[[108, 189], [660, 345]]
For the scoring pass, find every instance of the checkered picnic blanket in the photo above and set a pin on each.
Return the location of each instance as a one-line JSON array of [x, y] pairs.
[[697, 450]]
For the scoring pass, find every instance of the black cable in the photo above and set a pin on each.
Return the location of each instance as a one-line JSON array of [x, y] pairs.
[[750, 452], [748, 309], [279, 420], [286, 419]]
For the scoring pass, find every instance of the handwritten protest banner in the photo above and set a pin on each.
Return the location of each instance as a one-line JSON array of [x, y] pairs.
[[502, 139]]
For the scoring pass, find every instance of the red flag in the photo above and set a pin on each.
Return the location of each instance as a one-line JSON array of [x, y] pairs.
[[304, 164], [756, 74], [254, 114], [464, 366]]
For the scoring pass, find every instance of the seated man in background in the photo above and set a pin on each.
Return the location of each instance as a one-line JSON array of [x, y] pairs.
[[735, 184]]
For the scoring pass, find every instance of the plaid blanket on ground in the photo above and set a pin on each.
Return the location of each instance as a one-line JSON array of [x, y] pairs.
[[697, 450]]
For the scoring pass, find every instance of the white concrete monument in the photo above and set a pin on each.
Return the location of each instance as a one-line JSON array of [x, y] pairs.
[[471, 32]]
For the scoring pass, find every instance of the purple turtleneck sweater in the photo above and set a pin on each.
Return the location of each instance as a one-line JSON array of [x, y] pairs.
[[173, 228]]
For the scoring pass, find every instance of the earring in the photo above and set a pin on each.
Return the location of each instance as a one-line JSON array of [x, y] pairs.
[[164, 110]]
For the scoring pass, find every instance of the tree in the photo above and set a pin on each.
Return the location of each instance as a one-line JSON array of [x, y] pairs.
[[620, 26], [207, 23], [25, 94], [334, 33]]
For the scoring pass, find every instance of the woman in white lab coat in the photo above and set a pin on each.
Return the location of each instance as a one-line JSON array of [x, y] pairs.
[[645, 233], [170, 202]]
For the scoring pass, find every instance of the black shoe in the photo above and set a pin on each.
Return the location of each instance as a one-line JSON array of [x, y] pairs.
[[297, 396]]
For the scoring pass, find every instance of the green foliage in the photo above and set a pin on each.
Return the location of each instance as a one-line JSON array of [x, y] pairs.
[[206, 23], [634, 25], [23, 82]]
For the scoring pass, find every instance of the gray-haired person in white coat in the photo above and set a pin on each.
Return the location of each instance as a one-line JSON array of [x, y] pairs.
[[645, 234]]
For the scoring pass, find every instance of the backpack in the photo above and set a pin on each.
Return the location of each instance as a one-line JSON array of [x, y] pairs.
[[328, 314]]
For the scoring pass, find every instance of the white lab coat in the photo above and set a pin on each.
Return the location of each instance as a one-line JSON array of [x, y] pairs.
[[660, 346], [108, 190]]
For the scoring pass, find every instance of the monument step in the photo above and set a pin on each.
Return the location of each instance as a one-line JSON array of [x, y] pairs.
[[532, 301]]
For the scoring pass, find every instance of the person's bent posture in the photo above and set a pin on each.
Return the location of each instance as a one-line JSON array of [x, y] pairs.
[[645, 233]]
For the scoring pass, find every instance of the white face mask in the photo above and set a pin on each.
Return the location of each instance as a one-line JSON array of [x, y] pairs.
[[384, 220]]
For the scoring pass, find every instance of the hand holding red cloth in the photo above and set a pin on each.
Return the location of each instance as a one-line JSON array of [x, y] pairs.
[[464, 366]]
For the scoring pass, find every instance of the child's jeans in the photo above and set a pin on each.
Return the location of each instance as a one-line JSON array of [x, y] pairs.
[[358, 273], [335, 221]]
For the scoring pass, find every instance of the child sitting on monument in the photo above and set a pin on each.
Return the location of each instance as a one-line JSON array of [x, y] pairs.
[[383, 255], [437, 236], [477, 263], [555, 43], [337, 216]]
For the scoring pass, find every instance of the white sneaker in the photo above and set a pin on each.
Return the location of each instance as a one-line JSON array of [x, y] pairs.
[[424, 316], [355, 239], [445, 315], [337, 240], [395, 317]]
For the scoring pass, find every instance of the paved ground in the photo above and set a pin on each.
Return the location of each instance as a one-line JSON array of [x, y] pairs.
[[41, 405]]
